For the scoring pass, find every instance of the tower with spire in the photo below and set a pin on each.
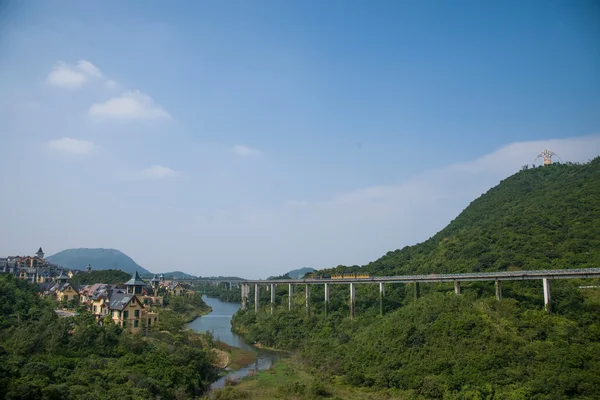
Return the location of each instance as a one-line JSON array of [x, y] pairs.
[[40, 253], [155, 283], [135, 284]]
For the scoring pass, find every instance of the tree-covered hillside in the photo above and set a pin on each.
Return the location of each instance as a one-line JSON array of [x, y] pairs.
[[111, 276], [540, 218], [468, 346], [43, 356]]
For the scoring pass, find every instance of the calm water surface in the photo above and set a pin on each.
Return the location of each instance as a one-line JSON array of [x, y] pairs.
[[218, 322]]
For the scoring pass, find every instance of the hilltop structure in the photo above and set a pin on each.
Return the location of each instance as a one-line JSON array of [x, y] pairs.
[[547, 155]]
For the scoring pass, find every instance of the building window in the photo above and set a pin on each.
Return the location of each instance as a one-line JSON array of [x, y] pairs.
[[125, 314], [124, 324], [149, 321], [94, 309], [135, 323], [136, 313]]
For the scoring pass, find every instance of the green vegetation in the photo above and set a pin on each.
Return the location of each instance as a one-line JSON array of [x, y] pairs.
[[541, 218], [294, 274], [43, 356], [108, 276], [289, 379], [449, 346], [187, 307], [468, 346], [176, 275], [98, 258], [222, 293], [237, 358]]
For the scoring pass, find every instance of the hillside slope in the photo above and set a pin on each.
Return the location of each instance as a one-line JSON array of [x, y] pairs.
[[470, 346], [99, 259], [177, 275], [300, 272], [542, 218]]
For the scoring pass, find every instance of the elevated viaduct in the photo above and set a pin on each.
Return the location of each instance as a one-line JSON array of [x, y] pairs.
[[545, 276]]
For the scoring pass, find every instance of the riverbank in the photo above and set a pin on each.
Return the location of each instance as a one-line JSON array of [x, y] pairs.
[[188, 308], [234, 356], [288, 378], [191, 315], [237, 358]]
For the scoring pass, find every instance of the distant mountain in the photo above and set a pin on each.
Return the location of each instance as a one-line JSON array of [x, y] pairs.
[[300, 272], [99, 259], [222, 278], [178, 275]]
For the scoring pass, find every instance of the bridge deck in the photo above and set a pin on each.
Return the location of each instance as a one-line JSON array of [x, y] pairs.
[[475, 276]]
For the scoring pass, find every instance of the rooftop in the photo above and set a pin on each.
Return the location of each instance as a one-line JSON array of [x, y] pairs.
[[135, 280]]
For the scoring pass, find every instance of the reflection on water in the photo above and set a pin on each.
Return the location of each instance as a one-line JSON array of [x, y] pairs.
[[218, 322]]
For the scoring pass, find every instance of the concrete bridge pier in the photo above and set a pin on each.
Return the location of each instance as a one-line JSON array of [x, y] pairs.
[[326, 298], [291, 296], [307, 289], [457, 287], [256, 298], [498, 290], [381, 295], [352, 301], [244, 299], [272, 288], [546, 284], [417, 290]]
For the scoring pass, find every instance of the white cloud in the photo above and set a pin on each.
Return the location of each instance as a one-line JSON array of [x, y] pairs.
[[111, 84], [245, 150], [131, 105], [72, 76], [89, 68], [73, 146], [159, 172], [362, 225]]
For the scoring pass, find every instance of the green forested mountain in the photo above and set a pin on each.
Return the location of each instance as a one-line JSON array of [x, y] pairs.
[[97, 258], [540, 218], [469, 346], [177, 275], [300, 272]]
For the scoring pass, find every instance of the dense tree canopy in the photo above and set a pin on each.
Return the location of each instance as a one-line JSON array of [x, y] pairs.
[[109, 276], [468, 346], [43, 356]]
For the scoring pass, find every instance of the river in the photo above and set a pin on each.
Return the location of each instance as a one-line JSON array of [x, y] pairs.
[[218, 322]]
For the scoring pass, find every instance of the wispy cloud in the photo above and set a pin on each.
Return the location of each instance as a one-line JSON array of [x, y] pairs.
[[131, 105], [72, 146], [159, 172], [73, 75], [245, 150], [111, 84], [363, 224]]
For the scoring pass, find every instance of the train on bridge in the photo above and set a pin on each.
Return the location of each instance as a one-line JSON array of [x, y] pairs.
[[343, 276]]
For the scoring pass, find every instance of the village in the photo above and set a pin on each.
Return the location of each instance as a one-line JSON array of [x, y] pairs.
[[132, 306]]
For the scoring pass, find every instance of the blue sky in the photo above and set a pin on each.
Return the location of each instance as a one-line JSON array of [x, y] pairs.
[[250, 138]]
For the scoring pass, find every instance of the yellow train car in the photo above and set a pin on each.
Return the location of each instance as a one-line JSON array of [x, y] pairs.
[[351, 276]]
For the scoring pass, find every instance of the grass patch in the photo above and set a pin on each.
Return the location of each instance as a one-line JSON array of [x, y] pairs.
[[238, 358], [287, 379]]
